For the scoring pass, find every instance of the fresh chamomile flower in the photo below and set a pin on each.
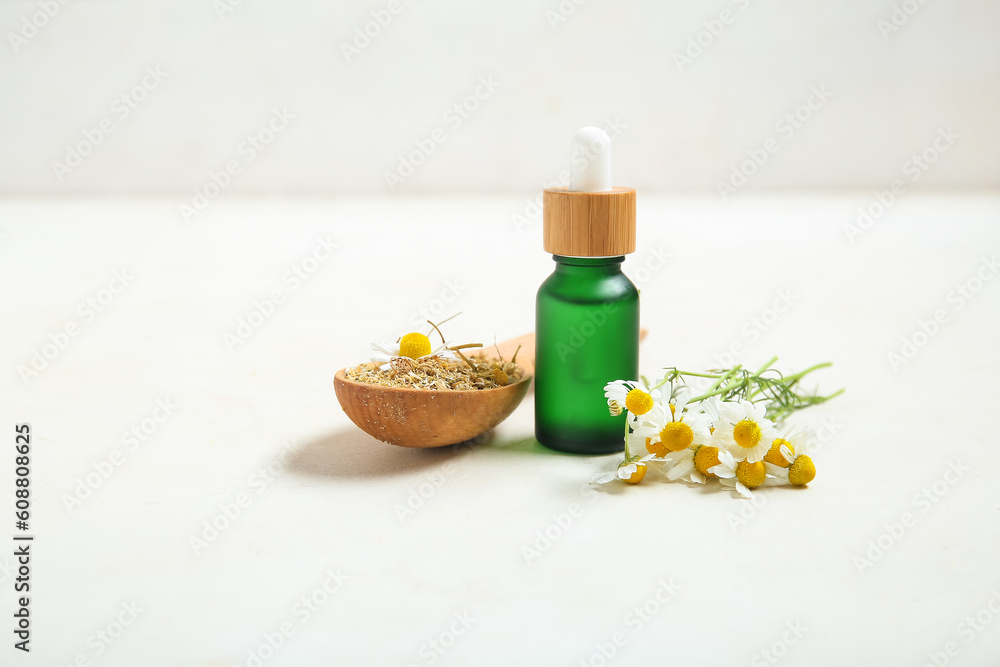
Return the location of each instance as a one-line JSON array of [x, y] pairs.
[[789, 443], [631, 472], [641, 402], [693, 464], [792, 464], [741, 475], [677, 430], [412, 345], [799, 473], [744, 430]]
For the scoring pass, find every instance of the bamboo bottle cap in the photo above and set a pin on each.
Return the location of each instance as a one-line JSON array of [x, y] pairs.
[[590, 218], [589, 224]]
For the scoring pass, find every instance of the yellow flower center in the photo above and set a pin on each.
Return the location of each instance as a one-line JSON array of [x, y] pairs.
[[746, 434], [676, 436], [774, 454], [414, 346], [802, 471], [636, 477], [655, 448], [704, 458], [751, 474], [638, 402]]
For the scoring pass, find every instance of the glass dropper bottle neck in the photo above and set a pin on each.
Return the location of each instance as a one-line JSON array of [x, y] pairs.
[[588, 265]]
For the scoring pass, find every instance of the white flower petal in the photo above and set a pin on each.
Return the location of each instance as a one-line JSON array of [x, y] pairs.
[[698, 421], [722, 472], [681, 469], [776, 471], [731, 412], [389, 349], [711, 406], [787, 454], [627, 471], [604, 477], [681, 397]]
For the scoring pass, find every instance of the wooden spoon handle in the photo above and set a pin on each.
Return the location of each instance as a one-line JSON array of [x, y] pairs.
[[526, 356]]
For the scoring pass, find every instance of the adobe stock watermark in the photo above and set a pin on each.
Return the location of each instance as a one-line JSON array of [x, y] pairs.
[[635, 620], [786, 127], [248, 151], [654, 260], [257, 483], [711, 30], [431, 650], [531, 213], [32, 25], [364, 34], [120, 109], [899, 16], [923, 502], [130, 442], [913, 169], [454, 117], [560, 523], [562, 12], [87, 311], [957, 298], [421, 493], [967, 630], [437, 307], [99, 641], [779, 648], [301, 612], [224, 8], [756, 326], [263, 309]]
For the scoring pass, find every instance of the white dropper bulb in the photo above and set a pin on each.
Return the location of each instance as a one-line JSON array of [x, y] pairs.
[[590, 162]]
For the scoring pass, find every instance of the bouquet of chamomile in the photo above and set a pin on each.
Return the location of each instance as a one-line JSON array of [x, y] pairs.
[[732, 429]]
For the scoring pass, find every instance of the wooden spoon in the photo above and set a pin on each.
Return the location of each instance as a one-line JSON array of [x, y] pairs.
[[434, 418]]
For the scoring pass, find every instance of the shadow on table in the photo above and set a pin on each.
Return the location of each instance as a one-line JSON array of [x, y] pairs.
[[353, 454], [530, 446]]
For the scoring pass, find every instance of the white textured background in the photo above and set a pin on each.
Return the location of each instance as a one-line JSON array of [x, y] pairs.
[[686, 127]]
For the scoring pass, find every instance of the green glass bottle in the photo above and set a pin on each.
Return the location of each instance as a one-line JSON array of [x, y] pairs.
[[587, 334], [587, 311]]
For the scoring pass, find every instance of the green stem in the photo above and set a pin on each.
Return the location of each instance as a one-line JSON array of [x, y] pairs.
[[766, 366], [701, 375], [660, 383], [725, 376], [628, 456], [801, 374], [729, 387], [779, 392]]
